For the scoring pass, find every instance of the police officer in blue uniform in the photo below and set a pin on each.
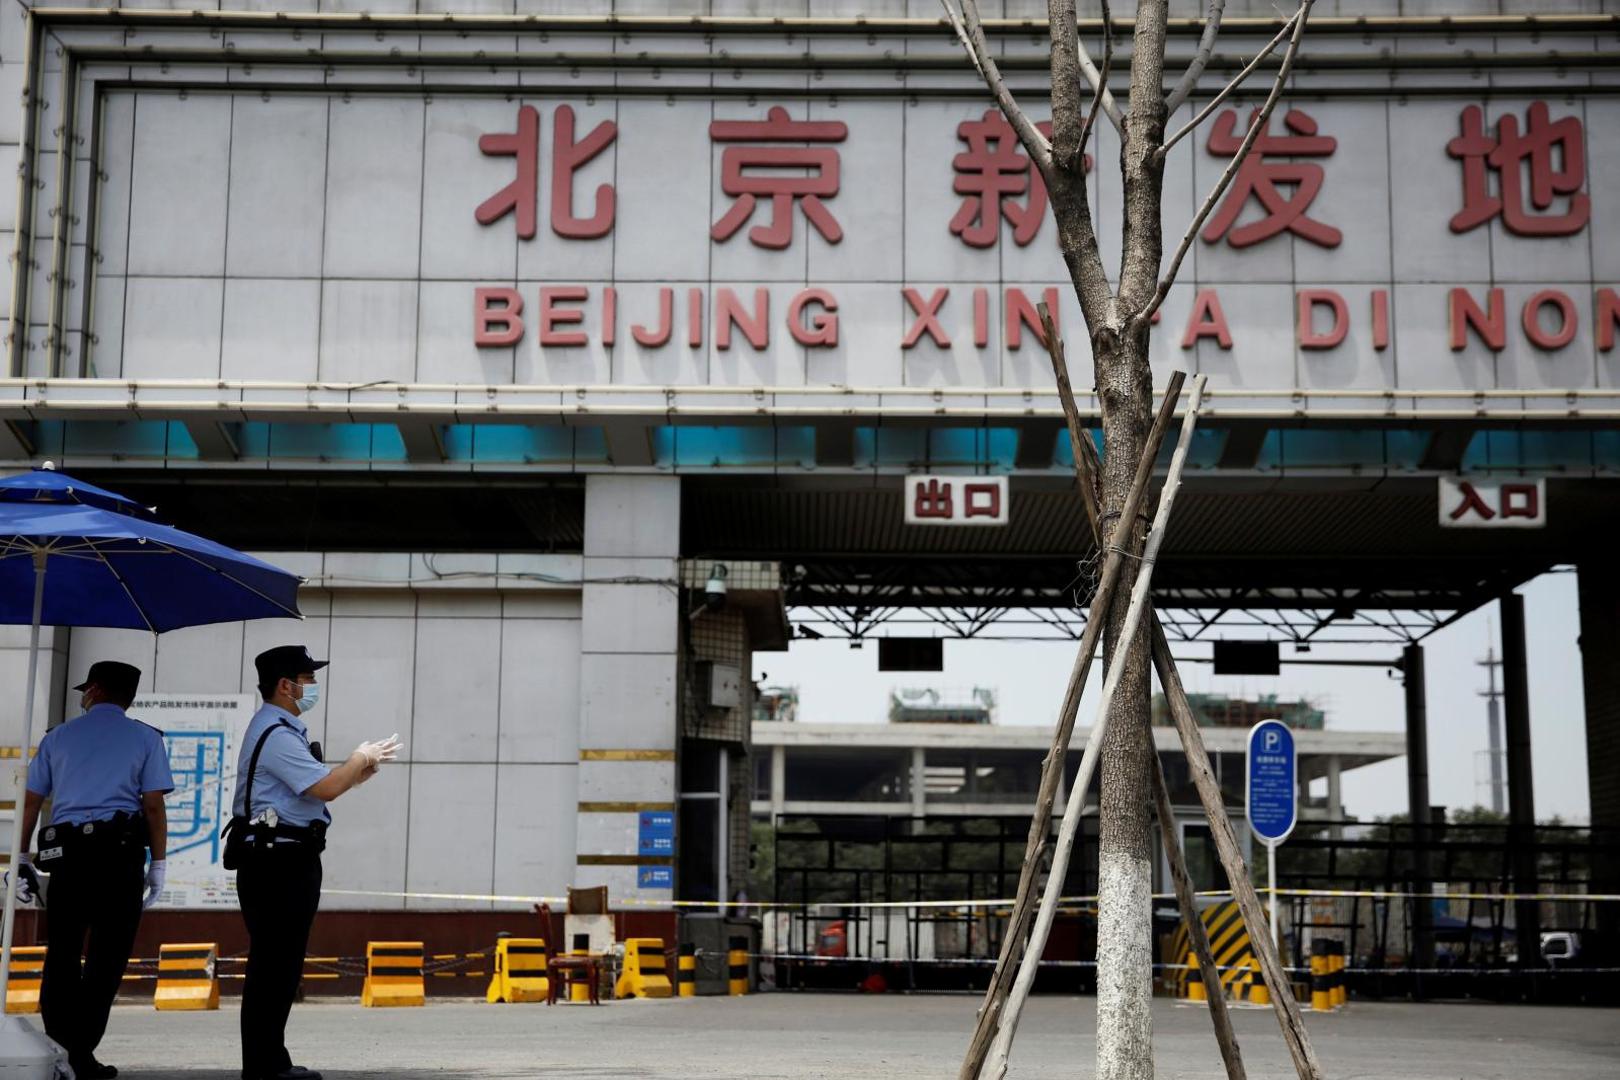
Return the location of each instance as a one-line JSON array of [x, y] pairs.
[[275, 841], [105, 774]]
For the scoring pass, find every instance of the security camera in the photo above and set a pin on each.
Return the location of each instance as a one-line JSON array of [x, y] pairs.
[[714, 590]]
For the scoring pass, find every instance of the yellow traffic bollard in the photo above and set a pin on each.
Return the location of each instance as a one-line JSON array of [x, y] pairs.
[[27, 973], [686, 976], [187, 979], [1321, 992], [579, 990], [737, 964], [393, 974], [520, 971], [644, 975]]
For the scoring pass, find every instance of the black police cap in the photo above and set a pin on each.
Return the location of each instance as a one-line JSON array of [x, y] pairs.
[[285, 662], [118, 679]]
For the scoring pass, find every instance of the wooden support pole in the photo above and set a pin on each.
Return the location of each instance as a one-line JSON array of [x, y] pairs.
[[1040, 827], [1007, 1026], [1086, 470], [1209, 789]]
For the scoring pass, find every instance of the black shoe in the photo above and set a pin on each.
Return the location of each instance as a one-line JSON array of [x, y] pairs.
[[91, 1069]]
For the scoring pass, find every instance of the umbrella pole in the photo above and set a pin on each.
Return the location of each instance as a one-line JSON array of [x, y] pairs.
[[22, 774]]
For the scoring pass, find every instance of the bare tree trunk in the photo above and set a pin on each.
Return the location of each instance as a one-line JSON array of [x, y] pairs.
[[1118, 321]]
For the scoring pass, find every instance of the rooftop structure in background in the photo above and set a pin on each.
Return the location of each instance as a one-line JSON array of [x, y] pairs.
[[1218, 710], [778, 703], [951, 706]]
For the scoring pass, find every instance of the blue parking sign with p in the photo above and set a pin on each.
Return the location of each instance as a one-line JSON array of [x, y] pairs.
[[1271, 790]]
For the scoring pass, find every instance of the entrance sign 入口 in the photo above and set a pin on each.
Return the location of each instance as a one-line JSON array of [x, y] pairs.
[[956, 500], [1492, 504], [202, 733], [1271, 794]]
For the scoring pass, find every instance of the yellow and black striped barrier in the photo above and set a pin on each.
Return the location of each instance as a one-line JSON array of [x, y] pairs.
[[393, 974], [1321, 980], [1228, 942], [686, 971], [520, 971], [187, 977], [27, 973], [644, 973], [737, 965]]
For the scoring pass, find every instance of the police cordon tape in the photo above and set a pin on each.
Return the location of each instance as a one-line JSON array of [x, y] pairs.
[[878, 905], [441, 964]]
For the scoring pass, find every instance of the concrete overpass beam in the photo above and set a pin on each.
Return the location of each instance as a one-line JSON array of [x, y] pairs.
[[424, 442], [629, 443], [215, 441], [1242, 447], [1037, 444], [835, 443]]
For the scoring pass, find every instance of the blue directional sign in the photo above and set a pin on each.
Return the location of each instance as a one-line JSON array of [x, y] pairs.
[[1271, 793], [656, 833], [655, 877]]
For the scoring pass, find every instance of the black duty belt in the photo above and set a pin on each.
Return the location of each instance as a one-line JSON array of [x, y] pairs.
[[59, 842], [260, 835]]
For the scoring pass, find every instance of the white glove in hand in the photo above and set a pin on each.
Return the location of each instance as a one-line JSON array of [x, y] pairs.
[[27, 881], [383, 750], [155, 873]]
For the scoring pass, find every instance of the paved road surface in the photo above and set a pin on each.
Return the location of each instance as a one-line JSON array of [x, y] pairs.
[[779, 1036]]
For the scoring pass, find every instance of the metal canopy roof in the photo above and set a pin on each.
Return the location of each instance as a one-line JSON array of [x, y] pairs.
[[1298, 560]]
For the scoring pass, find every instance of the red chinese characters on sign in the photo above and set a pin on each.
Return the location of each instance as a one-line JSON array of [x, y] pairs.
[[521, 197], [994, 173], [1552, 152], [1492, 504], [933, 500], [788, 176], [1261, 178], [956, 500]]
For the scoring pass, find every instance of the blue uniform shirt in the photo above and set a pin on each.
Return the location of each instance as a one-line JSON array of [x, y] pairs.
[[286, 770], [99, 764]]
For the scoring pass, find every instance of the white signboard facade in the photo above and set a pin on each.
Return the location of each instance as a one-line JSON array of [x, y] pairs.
[[203, 735], [1450, 243]]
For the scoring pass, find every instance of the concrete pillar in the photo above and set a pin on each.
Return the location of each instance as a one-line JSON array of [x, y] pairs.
[[1600, 679], [1335, 796], [629, 642], [778, 782], [1417, 801], [1521, 785], [919, 782]]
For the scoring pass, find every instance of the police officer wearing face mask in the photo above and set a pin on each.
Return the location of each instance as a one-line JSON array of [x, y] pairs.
[[105, 774], [274, 842]]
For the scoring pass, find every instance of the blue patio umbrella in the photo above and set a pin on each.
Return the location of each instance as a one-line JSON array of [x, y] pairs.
[[73, 554]]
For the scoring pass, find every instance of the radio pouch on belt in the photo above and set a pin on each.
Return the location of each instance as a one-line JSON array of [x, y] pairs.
[[236, 828]]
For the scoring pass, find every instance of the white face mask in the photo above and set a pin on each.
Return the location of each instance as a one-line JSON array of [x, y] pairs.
[[311, 697]]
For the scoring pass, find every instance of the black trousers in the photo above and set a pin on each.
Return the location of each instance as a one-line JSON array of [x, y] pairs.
[[279, 890], [93, 908]]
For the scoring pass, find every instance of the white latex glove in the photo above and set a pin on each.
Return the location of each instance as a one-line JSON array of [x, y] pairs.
[[380, 751], [155, 873], [27, 881]]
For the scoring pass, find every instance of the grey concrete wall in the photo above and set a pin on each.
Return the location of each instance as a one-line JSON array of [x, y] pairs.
[[477, 671]]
